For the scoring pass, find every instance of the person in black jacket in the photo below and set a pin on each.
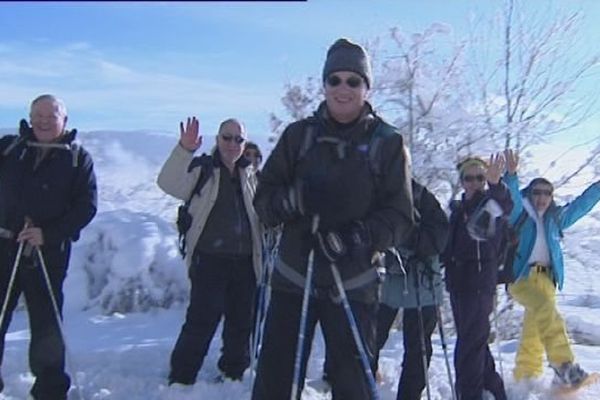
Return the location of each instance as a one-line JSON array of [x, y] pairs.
[[412, 277], [322, 166], [253, 154], [471, 259], [47, 195]]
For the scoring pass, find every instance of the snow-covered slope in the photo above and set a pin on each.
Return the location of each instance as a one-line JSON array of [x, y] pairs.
[[127, 288]]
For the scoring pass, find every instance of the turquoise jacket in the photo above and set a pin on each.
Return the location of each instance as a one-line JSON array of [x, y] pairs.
[[565, 216]]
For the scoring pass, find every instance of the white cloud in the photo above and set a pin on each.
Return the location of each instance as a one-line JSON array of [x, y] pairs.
[[119, 94]]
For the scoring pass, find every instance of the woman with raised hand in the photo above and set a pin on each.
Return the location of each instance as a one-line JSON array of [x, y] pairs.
[[471, 260]]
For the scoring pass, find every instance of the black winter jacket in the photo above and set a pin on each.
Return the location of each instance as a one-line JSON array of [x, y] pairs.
[[384, 204], [59, 196], [472, 265]]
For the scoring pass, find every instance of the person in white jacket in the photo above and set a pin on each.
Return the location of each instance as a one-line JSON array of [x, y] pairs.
[[224, 248]]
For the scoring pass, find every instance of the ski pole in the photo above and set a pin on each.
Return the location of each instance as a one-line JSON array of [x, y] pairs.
[[354, 328], [438, 310], [294, 395], [422, 332], [11, 281], [58, 317], [263, 298]]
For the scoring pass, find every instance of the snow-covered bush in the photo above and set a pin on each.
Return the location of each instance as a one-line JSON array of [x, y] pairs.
[[126, 261]]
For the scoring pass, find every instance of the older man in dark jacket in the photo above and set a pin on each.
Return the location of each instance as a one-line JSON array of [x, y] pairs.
[[47, 195], [324, 166]]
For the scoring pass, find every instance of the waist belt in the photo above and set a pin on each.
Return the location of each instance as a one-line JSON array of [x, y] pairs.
[[358, 281], [539, 268]]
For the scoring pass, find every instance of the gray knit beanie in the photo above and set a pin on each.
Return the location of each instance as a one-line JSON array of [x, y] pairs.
[[345, 55]]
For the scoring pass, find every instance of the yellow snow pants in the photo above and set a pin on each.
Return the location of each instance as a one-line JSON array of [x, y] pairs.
[[543, 327]]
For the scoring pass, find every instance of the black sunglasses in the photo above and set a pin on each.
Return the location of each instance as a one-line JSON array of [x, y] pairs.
[[353, 81], [471, 178], [539, 192], [228, 138]]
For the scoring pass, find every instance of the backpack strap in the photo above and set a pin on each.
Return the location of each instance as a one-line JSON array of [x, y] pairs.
[[310, 134], [382, 131], [184, 219], [75, 153], [25, 132], [206, 163], [417, 192], [15, 142], [74, 146]]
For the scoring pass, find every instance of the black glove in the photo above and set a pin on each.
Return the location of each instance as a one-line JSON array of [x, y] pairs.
[[336, 244], [287, 204]]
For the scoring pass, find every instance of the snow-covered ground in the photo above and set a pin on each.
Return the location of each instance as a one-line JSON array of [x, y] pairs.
[[126, 297]]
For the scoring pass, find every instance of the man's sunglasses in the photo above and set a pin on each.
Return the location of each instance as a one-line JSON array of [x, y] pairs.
[[471, 178], [228, 138], [539, 192], [353, 81]]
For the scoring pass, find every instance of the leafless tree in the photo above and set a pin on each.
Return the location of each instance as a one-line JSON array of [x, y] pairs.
[[528, 88], [510, 83]]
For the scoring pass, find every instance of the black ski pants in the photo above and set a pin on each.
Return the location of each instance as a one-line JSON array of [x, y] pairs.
[[412, 380], [46, 348], [275, 369], [221, 286], [473, 361]]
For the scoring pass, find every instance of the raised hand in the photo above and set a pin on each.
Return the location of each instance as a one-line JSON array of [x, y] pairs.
[[512, 161], [189, 136], [495, 168]]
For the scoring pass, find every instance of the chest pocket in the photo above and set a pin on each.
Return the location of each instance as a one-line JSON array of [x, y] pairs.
[[336, 180]]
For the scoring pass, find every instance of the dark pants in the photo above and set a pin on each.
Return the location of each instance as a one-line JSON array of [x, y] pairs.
[[220, 286], [276, 361], [46, 349], [473, 361], [412, 380]]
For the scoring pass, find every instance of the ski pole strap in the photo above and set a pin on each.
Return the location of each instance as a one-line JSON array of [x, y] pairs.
[[358, 281], [12, 145]]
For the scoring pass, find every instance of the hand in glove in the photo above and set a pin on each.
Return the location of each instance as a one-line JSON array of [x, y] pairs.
[[336, 244], [287, 204]]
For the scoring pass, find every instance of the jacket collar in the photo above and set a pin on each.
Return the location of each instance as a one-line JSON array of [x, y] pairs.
[[242, 162], [362, 124]]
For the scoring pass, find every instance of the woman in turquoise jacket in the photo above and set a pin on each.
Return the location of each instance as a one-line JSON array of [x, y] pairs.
[[538, 269]]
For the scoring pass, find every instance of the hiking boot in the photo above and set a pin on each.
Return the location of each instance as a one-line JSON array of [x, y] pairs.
[[569, 374]]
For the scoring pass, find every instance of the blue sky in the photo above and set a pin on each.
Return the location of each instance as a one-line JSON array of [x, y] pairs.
[[127, 66]]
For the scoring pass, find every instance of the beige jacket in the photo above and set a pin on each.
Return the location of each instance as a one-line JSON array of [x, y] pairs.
[[175, 180]]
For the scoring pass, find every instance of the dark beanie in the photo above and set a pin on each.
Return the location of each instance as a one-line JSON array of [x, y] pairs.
[[345, 55]]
